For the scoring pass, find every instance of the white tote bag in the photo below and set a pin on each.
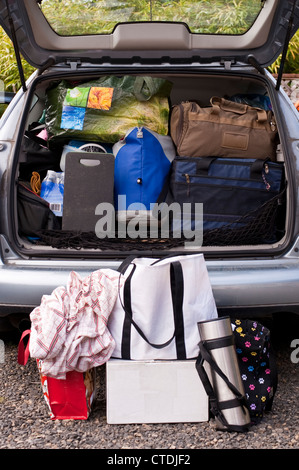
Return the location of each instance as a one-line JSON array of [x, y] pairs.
[[159, 305]]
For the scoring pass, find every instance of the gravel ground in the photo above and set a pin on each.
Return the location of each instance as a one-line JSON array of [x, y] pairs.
[[25, 422]]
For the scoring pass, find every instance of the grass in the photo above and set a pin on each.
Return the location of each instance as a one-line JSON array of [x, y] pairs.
[[207, 16]]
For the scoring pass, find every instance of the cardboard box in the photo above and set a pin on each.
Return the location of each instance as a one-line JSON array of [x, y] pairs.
[[154, 392]]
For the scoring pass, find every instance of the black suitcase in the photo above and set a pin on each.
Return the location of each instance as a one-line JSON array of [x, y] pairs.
[[238, 196]]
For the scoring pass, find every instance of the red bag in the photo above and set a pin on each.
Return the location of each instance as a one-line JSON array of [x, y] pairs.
[[67, 399]]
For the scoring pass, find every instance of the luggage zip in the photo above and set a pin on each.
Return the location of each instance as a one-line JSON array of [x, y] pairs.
[[220, 160], [139, 134], [190, 175], [196, 175], [188, 182]]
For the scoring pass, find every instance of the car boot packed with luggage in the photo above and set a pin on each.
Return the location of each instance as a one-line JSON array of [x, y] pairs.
[[154, 322], [119, 144]]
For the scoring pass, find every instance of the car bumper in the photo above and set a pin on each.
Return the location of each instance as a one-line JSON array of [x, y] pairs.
[[246, 285]]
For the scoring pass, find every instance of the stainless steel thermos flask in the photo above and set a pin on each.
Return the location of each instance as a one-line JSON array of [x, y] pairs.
[[218, 368]]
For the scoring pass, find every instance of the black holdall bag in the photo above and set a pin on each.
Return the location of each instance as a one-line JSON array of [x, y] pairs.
[[34, 214], [234, 193]]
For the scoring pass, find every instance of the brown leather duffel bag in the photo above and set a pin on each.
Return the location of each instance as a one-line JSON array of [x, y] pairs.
[[224, 129]]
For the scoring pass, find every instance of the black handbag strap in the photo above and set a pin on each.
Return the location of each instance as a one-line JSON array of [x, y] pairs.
[[177, 292], [217, 407], [203, 165], [256, 167]]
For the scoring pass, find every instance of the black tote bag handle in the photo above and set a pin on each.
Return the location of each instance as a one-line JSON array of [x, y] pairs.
[[177, 292]]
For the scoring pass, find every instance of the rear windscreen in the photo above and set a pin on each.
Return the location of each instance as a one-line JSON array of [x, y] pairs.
[[84, 17]]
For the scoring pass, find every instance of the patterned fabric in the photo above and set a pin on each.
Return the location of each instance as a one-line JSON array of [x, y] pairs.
[[257, 366], [69, 329]]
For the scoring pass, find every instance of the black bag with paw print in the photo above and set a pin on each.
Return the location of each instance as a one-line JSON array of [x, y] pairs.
[[257, 366]]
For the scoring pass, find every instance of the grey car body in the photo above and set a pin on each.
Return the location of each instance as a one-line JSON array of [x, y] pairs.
[[246, 280]]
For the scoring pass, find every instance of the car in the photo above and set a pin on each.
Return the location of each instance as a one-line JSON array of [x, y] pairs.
[[203, 55]]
